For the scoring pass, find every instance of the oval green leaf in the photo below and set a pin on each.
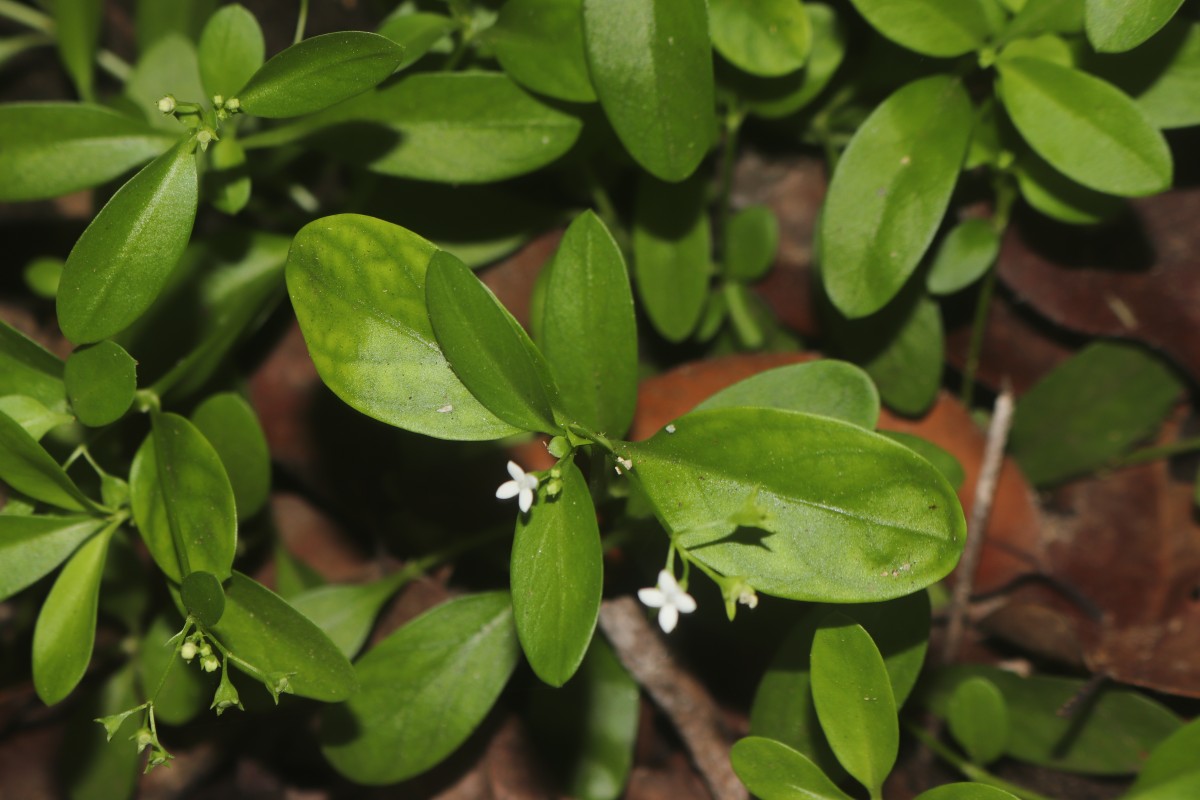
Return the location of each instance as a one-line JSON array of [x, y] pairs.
[[774, 771], [319, 72], [203, 597], [27, 467], [182, 501], [30, 547], [417, 32], [1059, 197], [890, 192], [654, 54], [557, 576], [1164, 80], [101, 380], [853, 697], [488, 349], [28, 368], [540, 44], [1171, 770], [1114, 26], [745, 492], [1046, 16], [967, 252], [31, 415], [50, 149], [127, 253], [778, 97], [978, 719], [830, 388], [943, 28], [763, 37], [1086, 128], [66, 625], [78, 34], [231, 50], [346, 613], [279, 642], [358, 287], [589, 333], [423, 690], [231, 427], [751, 242]]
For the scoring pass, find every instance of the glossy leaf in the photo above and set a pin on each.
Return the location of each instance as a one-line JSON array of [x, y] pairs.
[[31, 547], [589, 333], [423, 690], [941, 28], [28, 368], [608, 729], [945, 461], [282, 644], [1089, 410], [890, 192], [182, 501], [126, 255], [1112, 737], [1059, 197], [186, 690], [827, 387], [966, 791], [751, 242], [654, 54], [101, 380], [28, 468], [1114, 26], [745, 491], [488, 349], [763, 37], [66, 625], [978, 719], [965, 255], [358, 287], [231, 50], [203, 597], [779, 97], [417, 33], [50, 149], [774, 771], [1164, 79], [854, 702], [347, 612], [35, 418], [1058, 110], [557, 576], [319, 72], [1171, 770], [231, 427], [78, 34], [540, 45], [671, 254]]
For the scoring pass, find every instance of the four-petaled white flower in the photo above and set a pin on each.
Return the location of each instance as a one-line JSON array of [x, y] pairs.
[[522, 486], [669, 599]]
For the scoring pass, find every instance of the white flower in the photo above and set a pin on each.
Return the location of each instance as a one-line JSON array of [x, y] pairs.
[[669, 599], [522, 486]]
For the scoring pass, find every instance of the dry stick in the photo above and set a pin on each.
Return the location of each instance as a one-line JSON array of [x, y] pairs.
[[681, 697], [985, 494]]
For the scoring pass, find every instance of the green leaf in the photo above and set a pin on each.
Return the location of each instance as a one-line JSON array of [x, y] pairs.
[[488, 349], [1059, 197], [51, 149], [854, 702], [751, 242], [28, 368], [231, 427], [1111, 737], [1171, 770], [1086, 128], [589, 333], [783, 706], [94, 769], [423, 690], [203, 597], [557, 576], [231, 50], [229, 184], [169, 66], [778, 97], [346, 613], [78, 33], [319, 72], [966, 791], [890, 192], [358, 287], [1164, 80], [540, 44], [827, 387], [182, 501], [1047, 47], [417, 33], [1114, 26], [28, 468], [864, 520], [279, 642], [31, 415], [126, 255], [943, 28], [66, 625], [978, 719], [42, 276], [1037, 17], [671, 254], [1089, 410], [965, 255], [763, 37], [774, 771], [654, 54], [31, 547], [945, 461], [186, 689], [156, 19], [101, 380]]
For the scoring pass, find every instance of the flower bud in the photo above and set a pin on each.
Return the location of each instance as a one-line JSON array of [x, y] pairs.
[[226, 695], [144, 738], [553, 487], [218, 100], [188, 651], [209, 663], [233, 105], [166, 104]]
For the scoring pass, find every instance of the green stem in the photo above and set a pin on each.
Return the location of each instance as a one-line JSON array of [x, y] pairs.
[[1154, 453], [1005, 195], [179, 638], [971, 771], [733, 124], [301, 22], [460, 51]]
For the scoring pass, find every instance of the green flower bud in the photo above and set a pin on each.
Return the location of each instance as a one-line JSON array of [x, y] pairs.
[[209, 663], [226, 695], [188, 651], [233, 105], [218, 100], [144, 738], [553, 487], [166, 104]]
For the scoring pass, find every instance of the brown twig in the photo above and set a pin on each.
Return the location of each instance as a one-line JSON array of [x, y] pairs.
[[680, 696]]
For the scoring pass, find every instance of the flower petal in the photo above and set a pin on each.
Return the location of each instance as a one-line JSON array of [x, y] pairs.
[[668, 618], [508, 489], [667, 582], [525, 501], [654, 598], [684, 602], [515, 471]]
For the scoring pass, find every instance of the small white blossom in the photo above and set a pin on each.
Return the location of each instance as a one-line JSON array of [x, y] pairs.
[[166, 104], [522, 486], [669, 599], [671, 428], [748, 597]]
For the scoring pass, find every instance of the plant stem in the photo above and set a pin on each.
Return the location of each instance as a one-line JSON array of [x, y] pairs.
[[733, 124], [1153, 453], [969, 770], [301, 22], [1005, 195]]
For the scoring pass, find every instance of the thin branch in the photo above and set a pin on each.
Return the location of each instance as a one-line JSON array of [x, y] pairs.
[[680, 696]]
